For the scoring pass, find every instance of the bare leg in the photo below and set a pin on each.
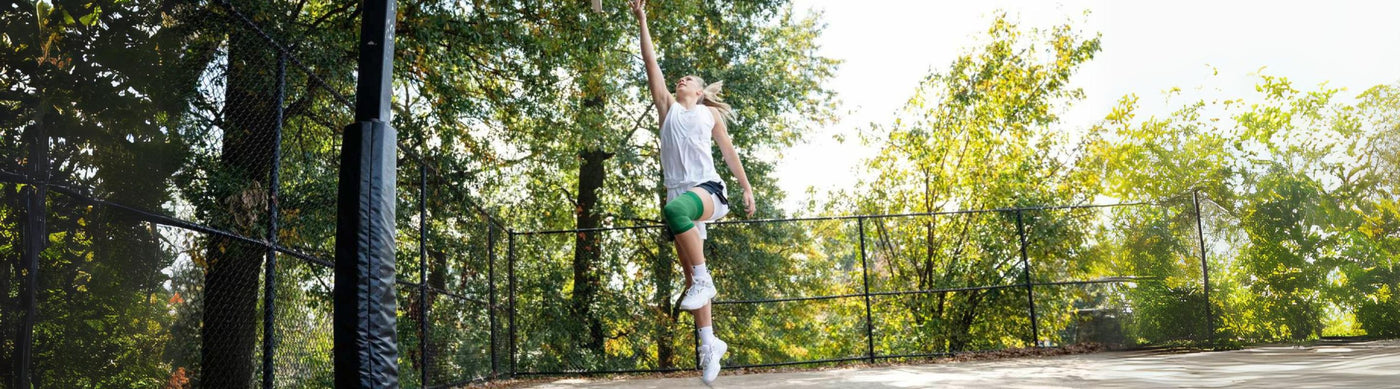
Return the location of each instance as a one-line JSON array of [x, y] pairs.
[[689, 246], [702, 316], [692, 252]]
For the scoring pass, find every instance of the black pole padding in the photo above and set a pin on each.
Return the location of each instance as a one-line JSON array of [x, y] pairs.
[[366, 343]]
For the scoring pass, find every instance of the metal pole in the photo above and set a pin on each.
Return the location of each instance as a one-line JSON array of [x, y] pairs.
[[695, 337], [270, 270], [1205, 270], [695, 325], [1030, 290], [423, 272], [365, 320], [491, 289], [510, 280], [35, 239], [865, 276]]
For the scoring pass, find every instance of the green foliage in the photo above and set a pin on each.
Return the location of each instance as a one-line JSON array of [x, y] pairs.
[[579, 97], [1294, 198], [1295, 210], [980, 135], [531, 109]]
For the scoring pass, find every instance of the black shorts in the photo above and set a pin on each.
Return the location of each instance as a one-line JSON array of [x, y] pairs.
[[716, 189]]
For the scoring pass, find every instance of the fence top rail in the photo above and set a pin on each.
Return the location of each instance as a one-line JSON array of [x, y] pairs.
[[849, 217], [1102, 280], [165, 220]]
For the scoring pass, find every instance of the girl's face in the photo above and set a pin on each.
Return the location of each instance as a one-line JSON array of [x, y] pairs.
[[689, 85]]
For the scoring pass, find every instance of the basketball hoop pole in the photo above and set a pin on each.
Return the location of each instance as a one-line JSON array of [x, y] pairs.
[[366, 338]]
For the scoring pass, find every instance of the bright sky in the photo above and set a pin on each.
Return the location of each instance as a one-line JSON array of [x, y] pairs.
[[1148, 47]]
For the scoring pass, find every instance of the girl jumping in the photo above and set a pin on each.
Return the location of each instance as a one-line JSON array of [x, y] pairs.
[[692, 120]]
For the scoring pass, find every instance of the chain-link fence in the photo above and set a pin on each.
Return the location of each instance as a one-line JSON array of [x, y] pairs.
[[452, 279], [871, 288], [169, 204], [168, 214]]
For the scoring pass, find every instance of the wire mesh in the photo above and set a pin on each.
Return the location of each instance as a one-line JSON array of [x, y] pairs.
[[459, 286], [626, 313], [1225, 243], [120, 300], [162, 196], [1121, 277], [796, 261], [966, 272], [304, 339], [11, 282], [939, 284]]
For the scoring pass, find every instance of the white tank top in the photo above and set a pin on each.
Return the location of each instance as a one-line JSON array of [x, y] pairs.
[[685, 146]]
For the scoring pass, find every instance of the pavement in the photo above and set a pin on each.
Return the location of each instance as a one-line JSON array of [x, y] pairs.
[[1328, 364]]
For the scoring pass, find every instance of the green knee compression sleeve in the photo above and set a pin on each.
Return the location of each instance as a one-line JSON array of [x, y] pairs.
[[680, 213]]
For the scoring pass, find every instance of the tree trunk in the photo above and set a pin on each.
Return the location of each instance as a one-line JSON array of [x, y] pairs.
[[231, 279], [962, 327], [587, 280]]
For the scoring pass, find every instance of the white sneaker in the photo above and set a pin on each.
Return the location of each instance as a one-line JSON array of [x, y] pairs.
[[710, 354], [700, 292]]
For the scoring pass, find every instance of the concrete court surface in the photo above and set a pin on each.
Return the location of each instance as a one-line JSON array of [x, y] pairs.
[[1327, 364]]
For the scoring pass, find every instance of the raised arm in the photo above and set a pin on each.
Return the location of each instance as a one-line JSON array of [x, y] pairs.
[[660, 96], [731, 158]]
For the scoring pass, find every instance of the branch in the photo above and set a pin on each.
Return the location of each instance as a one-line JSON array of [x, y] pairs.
[[301, 4], [636, 126], [568, 196], [315, 25]]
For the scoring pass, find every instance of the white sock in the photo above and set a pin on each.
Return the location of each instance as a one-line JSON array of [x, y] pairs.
[[699, 271], [706, 334]]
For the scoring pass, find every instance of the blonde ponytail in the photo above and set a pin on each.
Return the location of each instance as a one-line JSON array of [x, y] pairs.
[[710, 97]]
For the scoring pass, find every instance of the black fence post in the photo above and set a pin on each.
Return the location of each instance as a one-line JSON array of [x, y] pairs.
[[865, 277], [423, 305], [695, 325], [510, 280], [1030, 289], [491, 288], [270, 270], [1205, 269], [35, 240], [365, 317], [695, 337]]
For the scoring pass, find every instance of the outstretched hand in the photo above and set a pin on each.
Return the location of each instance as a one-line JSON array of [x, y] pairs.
[[638, 8]]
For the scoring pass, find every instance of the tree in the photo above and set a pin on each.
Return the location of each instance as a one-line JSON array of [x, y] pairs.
[[77, 80], [1298, 180], [1165, 161], [1374, 271], [981, 134], [555, 90]]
